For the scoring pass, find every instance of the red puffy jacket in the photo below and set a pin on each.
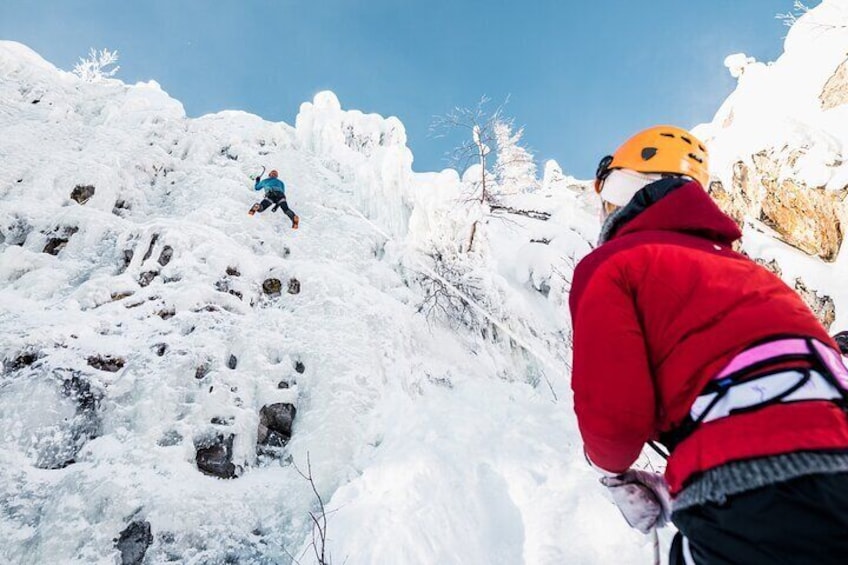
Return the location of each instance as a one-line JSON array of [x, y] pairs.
[[660, 309]]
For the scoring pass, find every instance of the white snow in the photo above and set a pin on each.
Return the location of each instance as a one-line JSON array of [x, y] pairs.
[[427, 442]]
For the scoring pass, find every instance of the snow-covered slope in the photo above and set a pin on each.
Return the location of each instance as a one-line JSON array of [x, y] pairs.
[[779, 152], [147, 327]]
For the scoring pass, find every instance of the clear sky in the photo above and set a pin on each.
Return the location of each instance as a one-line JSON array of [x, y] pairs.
[[581, 76]]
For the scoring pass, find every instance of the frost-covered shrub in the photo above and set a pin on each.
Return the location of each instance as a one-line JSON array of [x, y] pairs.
[[449, 288], [96, 66]]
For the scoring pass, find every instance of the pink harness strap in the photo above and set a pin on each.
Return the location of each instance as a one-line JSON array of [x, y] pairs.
[[833, 361], [765, 352], [787, 347]]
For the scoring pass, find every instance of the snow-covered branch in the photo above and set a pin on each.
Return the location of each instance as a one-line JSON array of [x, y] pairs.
[[96, 66]]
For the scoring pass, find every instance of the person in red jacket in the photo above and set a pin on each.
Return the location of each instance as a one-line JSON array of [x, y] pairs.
[[680, 340]]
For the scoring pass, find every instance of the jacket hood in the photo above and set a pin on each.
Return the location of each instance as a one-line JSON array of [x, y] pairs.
[[672, 204]]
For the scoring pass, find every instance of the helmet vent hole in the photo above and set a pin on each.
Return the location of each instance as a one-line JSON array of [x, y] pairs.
[[686, 139], [667, 135], [696, 158], [648, 153], [701, 147]]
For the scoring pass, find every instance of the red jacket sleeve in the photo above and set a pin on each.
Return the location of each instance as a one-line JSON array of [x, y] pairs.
[[614, 396]]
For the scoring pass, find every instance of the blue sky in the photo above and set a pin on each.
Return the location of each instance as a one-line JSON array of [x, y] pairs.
[[580, 76]]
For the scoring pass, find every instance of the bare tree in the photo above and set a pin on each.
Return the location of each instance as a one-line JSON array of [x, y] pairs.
[[441, 299], [319, 521], [799, 9], [479, 126]]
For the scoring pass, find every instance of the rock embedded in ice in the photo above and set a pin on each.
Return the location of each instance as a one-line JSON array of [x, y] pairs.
[[82, 193], [294, 286], [216, 459], [106, 363], [275, 424], [165, 256], [133, 542], [272, 287], [146, 278]]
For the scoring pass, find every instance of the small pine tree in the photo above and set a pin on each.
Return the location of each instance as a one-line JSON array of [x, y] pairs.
[[553, 178], [515, 169], [95, 66]]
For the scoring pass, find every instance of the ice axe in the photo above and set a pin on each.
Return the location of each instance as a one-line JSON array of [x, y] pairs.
[[259, 176]]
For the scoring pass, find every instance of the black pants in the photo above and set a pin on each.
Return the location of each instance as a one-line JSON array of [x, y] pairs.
[[798, 522], [279, 199]]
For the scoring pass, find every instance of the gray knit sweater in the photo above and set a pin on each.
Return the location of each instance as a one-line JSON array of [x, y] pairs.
[[717, 484]]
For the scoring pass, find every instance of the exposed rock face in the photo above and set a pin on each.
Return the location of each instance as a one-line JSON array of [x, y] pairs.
[[82, 193], [133, 543], [771, 266], [808, 218], [121, 207], [58, 447], [835, 91], [165, 256], [146, 278], [216, 458], [294, 286], [272, 287], [275, 425], [822, 306], [106, 363], [24, 359], [59, 239]]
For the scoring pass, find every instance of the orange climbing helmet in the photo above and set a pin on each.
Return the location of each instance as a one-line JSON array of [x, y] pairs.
[[660, 149], [273, 174]]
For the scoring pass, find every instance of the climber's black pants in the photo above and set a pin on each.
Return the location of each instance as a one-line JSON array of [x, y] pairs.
[[278, 199], [804, 520]]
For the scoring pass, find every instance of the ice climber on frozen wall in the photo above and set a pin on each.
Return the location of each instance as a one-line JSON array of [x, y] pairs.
[[275, 195], [680, 340]]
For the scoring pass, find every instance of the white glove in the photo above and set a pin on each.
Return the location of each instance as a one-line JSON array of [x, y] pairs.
[[642, 498]]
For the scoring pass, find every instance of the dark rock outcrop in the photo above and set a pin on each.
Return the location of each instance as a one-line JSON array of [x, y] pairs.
[[822, 306], [294, 286], [146, 277], [106, 363], [59, 448], [82, 193], [23, 359], [275, 425], [272, 287], [165, 255], [216, 458], [201, 371], [133, 542], [59, 239]]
